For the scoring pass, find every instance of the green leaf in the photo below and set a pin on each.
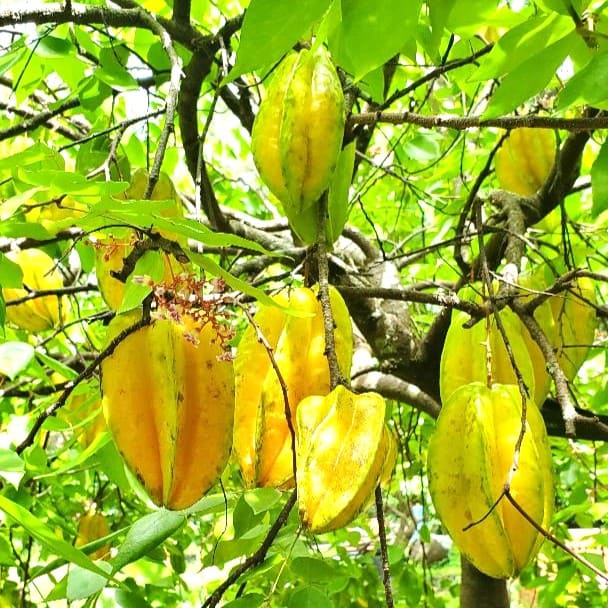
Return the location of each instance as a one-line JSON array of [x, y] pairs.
[[150, 264], [528, 78], [51, 46], [7, 557], [262, 499], [92, 92], [147, 534], [12, 467], [212, 503], [38, 153], [308, 597], [128, 598], [521, 43], [15, 230], [14, 203], [270, 29], [243, 518], [16, 54], [422, 147], [589, 85], [312, 569], [370, 34], [44, 535], [439, 12], [112, 70], [83, 583], [215, 270], [15, 357], [251, 600], [10, 273], [599, 181]]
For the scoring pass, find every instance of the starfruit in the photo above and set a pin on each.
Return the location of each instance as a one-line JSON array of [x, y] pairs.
[[479, 354], [568, 319], [91, 527], [39, 273], [262, 439], [297, 134], [470, 456], [110, 250], [168, 400], [525, 160], [575, 320], [342, 450]]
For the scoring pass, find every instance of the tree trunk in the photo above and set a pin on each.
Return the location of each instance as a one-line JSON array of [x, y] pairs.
[[478, 590]]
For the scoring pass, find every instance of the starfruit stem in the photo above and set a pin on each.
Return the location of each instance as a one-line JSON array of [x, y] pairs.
[[551, 538], [335, 375], [386, 573]]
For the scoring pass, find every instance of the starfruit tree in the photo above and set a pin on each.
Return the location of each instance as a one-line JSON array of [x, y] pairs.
[[303, 303]]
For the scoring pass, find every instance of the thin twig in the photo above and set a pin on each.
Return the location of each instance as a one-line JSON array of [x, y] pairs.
[[256, 558], [84, 375], [335, 373], [386, 573]]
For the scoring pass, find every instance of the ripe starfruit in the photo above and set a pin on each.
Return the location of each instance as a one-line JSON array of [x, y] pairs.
[[39, 273], [93, 526], [342, 450], [110, 250], [262, 439], [168, 400], [479, 354], [525, 160], [297, 134], [470, 456], [568, 318], [575, 321]]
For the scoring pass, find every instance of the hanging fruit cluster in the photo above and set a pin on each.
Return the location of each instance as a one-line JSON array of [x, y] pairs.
[[297, 138], [341, 446], [262, 440], [525, 160], [475, 451], [168, 400], [40, 273], [112, 249]]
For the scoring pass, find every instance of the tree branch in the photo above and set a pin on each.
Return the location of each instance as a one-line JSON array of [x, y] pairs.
[[460, 123]]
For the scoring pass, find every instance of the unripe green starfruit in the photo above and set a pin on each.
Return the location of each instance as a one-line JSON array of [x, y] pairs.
[[525, 160], [168, 400], [40, 273], [297, 134], [470, 456], [262, 438], [342, 449]]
